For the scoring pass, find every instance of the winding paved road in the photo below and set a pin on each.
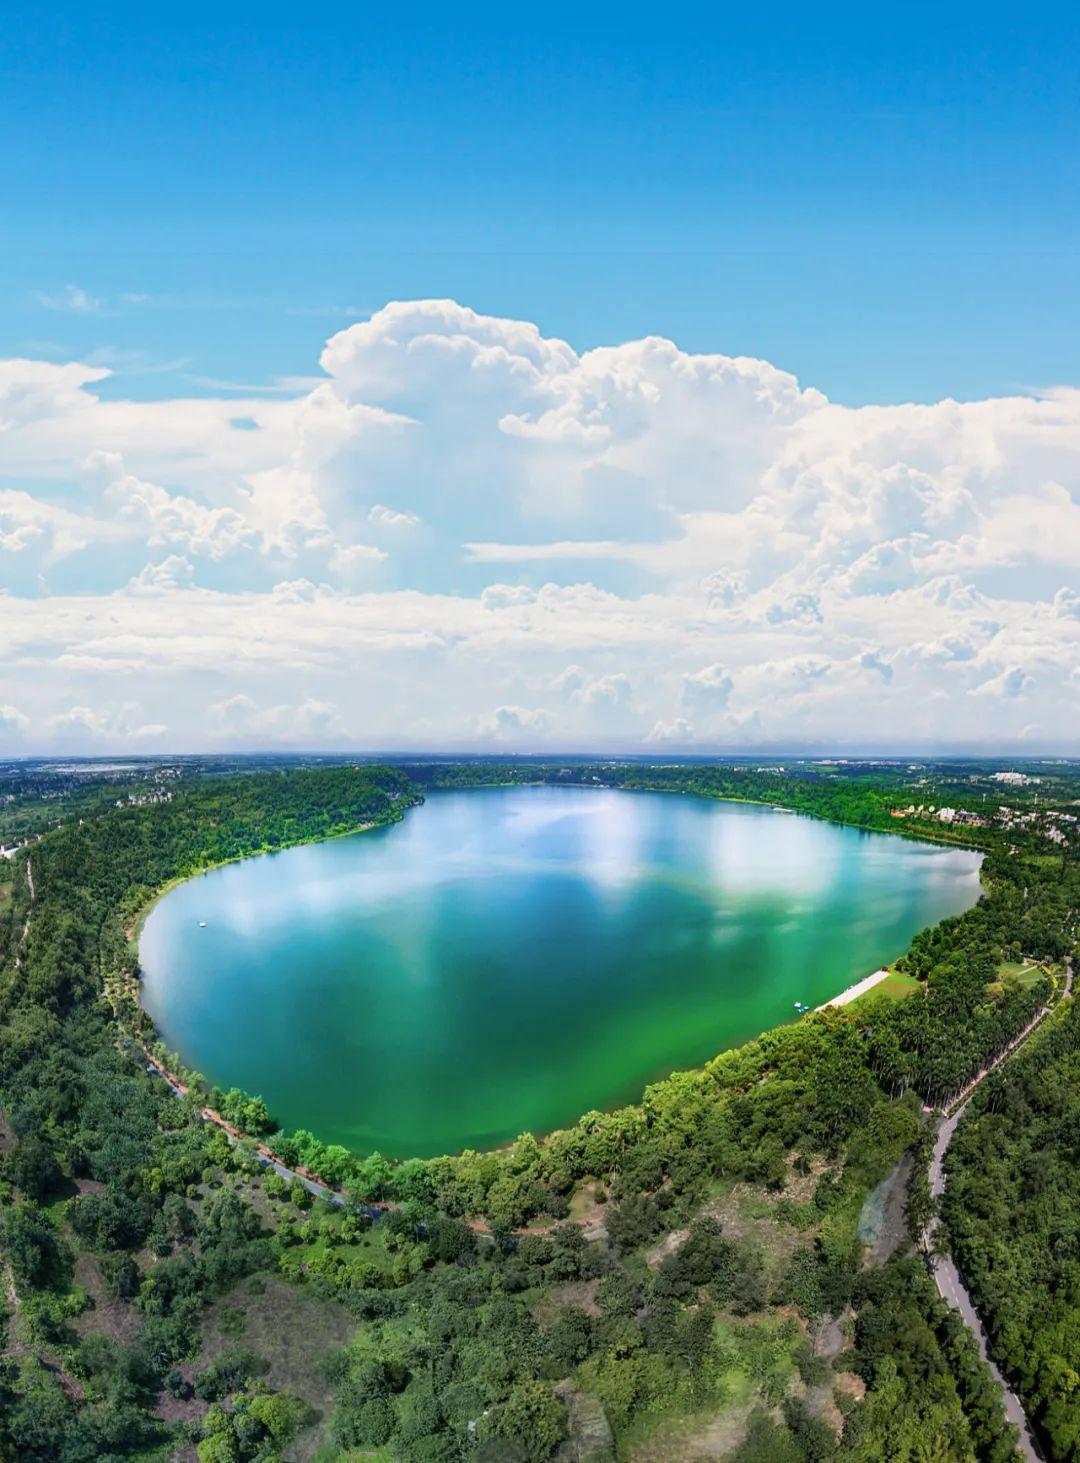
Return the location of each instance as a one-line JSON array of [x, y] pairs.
[[947, 1276]]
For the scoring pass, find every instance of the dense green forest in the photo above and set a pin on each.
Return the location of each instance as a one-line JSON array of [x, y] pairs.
[[1013, 1214], [613, 1288]]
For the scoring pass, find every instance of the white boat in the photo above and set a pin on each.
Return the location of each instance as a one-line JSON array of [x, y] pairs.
[[202, 924]]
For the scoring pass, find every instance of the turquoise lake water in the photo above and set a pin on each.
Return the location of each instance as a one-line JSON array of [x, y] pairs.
[[504, 960]]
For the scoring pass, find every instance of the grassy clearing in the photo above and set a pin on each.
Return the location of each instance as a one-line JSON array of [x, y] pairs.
[[1012, 974], [583, 1202], [292, 1330], [1015, 969], [745, 1212], [895, 987], [756, 1365], [690, 1439], [579, 1293], [105, 1314], [1031, 976]]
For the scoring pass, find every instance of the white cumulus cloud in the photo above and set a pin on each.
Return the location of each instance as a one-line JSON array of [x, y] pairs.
[[463, 529]]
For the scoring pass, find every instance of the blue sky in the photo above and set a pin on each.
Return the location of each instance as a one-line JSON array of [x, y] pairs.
[[882, 200], [689, 379]]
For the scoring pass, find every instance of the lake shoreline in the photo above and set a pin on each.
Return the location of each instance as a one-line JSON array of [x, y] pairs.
[[144, 911], [732, 1029], [853, 992]]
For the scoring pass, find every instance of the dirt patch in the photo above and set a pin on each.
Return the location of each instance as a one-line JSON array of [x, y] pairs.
[[745, 1210], [781, 1313], [172, 1409], [73, 1389], [250, 1189], [669, 1245], [586, 1210], [830, 1336], [829, 1339], [851, 1384], [822, 1404], [824, 1400], [181, 1409], [799, 1187], [16, 1344]]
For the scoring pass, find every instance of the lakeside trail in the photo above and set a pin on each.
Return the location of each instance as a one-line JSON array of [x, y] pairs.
[[311, 1181], [269, 1160], [945, 1271]]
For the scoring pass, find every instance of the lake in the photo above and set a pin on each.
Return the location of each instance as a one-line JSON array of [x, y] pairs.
[[504, 960]]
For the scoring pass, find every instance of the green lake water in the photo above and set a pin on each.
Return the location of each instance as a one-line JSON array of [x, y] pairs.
[[505, 960]]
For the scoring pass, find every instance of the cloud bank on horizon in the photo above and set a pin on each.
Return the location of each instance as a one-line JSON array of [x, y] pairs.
[[468, 534]]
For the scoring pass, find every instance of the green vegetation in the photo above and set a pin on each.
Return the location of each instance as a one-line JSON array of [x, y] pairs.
[[1013, 1212], [896, 986], [693, 1257]]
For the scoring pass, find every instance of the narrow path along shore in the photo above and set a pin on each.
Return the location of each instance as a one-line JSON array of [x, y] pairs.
[[853, 992], [946, 1273], [269, 1160], [265, 1155]]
